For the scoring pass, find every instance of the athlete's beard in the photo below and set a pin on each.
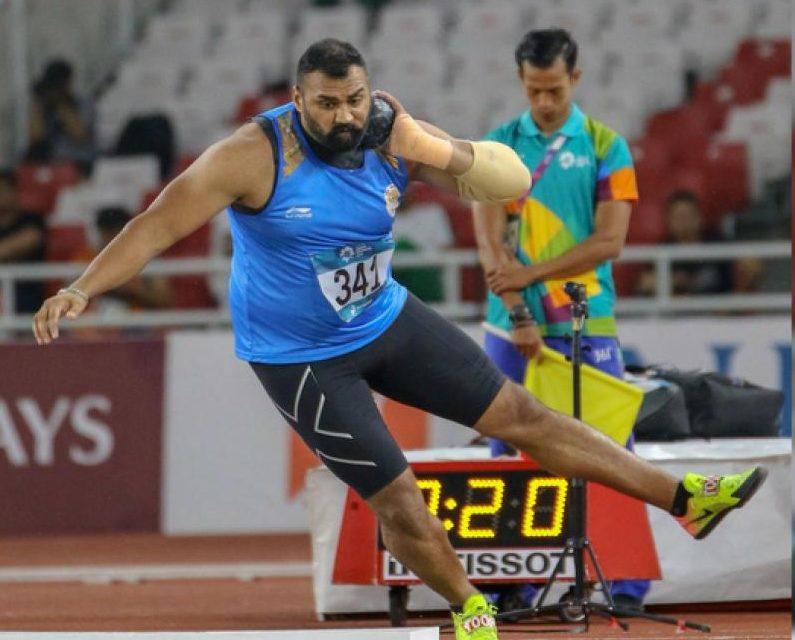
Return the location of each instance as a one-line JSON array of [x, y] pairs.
[[341, 137]]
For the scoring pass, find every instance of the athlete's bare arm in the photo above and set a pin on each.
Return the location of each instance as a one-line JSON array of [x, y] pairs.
[[442, 178], [483, 171], [237, 169], [490, 224]]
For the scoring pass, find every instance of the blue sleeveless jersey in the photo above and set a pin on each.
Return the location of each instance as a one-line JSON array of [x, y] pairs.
[[311, 272]]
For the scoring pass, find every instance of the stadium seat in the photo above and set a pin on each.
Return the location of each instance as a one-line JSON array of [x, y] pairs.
[[638, 22], [747, 83], [183, 162], [39, 184], [79, 204], [625, 277], [64, 241], [767, 57], [575, 18], [776, 21], [727, 175], [178, 38], [192, 291], [714, 30], [345, 23], [402, 26], [142, 171], [647, 226]]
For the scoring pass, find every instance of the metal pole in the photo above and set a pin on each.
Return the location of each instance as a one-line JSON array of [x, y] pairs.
[[19, 72]]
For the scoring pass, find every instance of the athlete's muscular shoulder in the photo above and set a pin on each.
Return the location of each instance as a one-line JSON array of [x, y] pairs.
[[243, 162]]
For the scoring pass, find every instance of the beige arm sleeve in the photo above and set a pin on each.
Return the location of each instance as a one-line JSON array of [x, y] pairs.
[[497, 174]]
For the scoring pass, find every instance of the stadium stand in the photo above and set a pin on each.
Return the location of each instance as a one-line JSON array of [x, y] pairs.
[[701, 89]]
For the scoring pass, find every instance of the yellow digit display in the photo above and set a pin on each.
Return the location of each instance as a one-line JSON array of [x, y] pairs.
[[434, 489], [529, 529], [497, 487]]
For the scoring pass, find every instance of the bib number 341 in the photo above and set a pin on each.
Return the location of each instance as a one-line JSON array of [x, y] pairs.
[[365, 280], [351, 276]]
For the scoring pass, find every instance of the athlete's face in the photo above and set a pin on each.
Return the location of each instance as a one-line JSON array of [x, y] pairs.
[[549, 92], [334, 111]]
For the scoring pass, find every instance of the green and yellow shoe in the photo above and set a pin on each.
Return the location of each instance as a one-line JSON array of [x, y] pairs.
[[712, 497], [476, 620]]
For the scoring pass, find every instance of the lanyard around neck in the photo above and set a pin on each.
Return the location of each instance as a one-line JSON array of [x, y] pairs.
[[549, 154]]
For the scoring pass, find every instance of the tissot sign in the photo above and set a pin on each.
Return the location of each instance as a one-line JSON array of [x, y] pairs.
[[80, 437]]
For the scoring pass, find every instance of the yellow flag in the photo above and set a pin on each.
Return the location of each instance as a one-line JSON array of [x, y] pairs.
[[608, 404]]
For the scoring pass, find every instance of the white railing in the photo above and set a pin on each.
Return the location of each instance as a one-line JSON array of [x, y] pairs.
[[450, 262]]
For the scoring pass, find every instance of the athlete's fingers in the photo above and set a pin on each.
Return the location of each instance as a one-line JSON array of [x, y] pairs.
[[38, 333], [54, 313], [392, 100]]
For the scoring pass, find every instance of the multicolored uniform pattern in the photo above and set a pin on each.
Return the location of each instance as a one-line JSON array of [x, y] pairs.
[[593, 165]]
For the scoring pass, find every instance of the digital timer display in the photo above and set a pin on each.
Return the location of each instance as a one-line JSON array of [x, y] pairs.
[[518, 508]]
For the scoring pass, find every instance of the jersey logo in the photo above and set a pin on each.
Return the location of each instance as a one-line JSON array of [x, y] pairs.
[[567, 160], [298, 212], [391, 199]]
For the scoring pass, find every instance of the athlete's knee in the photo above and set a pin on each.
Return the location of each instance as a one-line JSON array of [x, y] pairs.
[[514, 409], [400, 506]]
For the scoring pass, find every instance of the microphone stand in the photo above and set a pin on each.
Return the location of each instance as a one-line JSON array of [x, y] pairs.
[[576, 606]]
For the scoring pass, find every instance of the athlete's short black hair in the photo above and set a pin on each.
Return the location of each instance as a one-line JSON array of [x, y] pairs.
[[331, 56], [541, 47]]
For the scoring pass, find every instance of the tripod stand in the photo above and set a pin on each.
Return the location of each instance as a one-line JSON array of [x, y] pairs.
[[578, 607]]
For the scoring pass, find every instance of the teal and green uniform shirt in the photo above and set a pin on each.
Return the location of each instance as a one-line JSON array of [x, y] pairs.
[[593, 165]]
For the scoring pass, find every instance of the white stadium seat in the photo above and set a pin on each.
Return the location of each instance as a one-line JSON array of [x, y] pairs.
[[344, 23], [714, 29]]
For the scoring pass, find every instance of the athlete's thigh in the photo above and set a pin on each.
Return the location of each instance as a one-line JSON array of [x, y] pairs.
[[330, 406], [429, 363]]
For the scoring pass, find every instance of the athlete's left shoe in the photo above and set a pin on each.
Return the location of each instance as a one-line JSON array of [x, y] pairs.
[[712, 497], [476, 620]]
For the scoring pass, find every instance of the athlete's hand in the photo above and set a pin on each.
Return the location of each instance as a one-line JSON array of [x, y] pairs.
[[527, 340], [393, 102], [396, 143], [513, 276], [45, 322]]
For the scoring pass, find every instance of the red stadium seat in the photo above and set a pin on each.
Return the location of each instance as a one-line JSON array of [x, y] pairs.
[[647, 225], [149, 197], [183, 162], [682, 130], [248, 107], [651, 153], [192, 291], [625, 276], [768, 57], [63, 242], [39, 184], [727, 175], [747, 83]]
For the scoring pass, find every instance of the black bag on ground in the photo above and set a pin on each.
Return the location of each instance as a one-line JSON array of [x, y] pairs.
[[723, 407], [663, 414]]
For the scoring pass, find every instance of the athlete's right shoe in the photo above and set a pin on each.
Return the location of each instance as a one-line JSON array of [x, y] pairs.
[[476, 620], [712, 497]]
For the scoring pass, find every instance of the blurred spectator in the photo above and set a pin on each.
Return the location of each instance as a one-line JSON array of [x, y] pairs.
[[149, 134], [421, 226], [142, 292], [22, 239], [685, 225], [59, 124]]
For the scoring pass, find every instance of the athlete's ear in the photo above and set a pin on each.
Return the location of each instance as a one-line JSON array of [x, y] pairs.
[[575, 75], [297, 98]]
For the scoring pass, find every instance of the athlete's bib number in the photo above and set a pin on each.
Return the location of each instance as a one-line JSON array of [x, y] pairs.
[[351, 276]]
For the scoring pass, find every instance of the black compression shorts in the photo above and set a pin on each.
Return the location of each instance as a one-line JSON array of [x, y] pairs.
[[421, 360]]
